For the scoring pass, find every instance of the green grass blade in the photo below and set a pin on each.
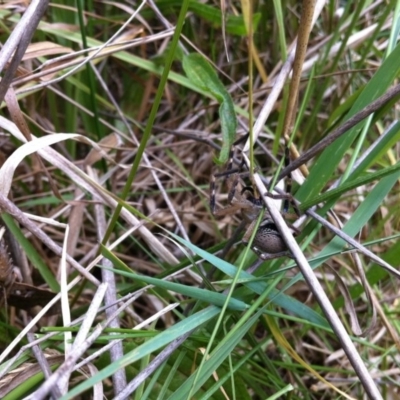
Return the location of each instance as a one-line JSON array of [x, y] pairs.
[[213, 298], [149, 347], [276, 297], [331, 156]]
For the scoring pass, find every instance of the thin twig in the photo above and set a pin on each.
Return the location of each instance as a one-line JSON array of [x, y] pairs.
[[116, 351], [351, 122]]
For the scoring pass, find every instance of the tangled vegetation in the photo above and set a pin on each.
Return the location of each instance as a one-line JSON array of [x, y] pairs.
[[116, 119]]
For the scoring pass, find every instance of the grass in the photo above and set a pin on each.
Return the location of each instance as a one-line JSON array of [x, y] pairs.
[[123, 235]]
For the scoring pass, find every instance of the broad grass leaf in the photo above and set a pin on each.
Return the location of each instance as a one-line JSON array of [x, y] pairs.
[[203, 76]]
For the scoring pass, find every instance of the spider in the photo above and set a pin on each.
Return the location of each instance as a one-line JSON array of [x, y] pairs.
[[268, 242]]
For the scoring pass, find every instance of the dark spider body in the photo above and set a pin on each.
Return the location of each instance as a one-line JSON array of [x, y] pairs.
[[267, 242], [268, 239]]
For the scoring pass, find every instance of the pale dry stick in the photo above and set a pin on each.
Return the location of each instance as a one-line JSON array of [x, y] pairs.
[[361, 278], [369, 294], [42, 361], [152, 366], [18, 42], [14, 39], [276, 90], [90, 316], [10, 208], [65, 307], [33, 322], [127, 301], [79, 348], [116, 352], [362, 249], [317, 290], [75, 222], [82, 342], [359, 247], [28, 327], [146, 323]]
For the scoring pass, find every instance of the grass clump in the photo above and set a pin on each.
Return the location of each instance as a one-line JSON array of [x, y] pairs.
[[142, 105]]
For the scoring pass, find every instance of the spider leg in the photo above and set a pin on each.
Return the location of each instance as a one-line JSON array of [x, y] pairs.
[[287, 197], [268, 242], [237, 205], [249, 232], [233, 183], [242, 164], [229, 210], [212, 194], [289, 187], [266, 257], [233, 186], [230, 171]]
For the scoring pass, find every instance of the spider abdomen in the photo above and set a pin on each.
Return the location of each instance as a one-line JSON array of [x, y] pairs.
[[268, 239]]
